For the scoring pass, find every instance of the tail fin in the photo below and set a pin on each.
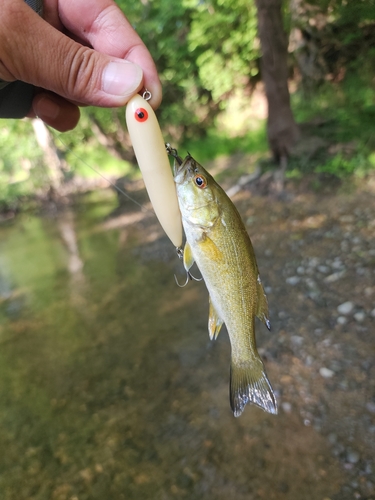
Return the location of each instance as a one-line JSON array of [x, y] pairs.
[[249, 384]]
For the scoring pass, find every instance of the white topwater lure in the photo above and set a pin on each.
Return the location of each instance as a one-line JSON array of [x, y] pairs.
[[152, 158]]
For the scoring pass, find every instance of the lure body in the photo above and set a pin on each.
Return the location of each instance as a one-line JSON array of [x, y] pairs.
[[153, 162]]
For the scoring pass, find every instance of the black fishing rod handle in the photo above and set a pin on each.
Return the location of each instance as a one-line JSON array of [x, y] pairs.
[[16, 97]]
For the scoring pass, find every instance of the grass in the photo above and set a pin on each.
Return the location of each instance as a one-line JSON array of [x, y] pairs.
[[345, 116], [217, 144]]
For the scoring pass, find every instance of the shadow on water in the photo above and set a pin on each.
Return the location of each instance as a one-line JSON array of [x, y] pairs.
[[110, 388]]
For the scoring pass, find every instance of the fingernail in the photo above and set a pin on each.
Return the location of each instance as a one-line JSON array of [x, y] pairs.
[[46, 108], [121, 78]]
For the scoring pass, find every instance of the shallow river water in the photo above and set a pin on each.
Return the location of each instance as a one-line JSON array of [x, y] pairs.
[[110, 388]]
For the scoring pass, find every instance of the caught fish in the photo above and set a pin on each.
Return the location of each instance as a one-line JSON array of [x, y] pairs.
[[216, 239]]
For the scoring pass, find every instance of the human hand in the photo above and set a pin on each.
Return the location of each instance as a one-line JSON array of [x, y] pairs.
[[81, 53]]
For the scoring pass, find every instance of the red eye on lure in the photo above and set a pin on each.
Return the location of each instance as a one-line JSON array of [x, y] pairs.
[[152, 158], [141, 115]]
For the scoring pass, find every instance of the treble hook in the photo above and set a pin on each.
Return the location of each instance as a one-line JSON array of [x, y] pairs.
[[193, 277], [189, 277], [180, 252], [186, 282]]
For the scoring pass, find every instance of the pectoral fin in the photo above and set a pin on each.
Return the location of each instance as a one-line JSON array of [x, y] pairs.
[[211, 249], [214, 322], [188, 257], [262, 308]]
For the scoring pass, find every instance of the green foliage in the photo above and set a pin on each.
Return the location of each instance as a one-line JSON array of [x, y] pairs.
[[203, 52], [21, 167], [341, 166], [224, 38], [207, 52], [216, 144], [347, 113], [164, 29]]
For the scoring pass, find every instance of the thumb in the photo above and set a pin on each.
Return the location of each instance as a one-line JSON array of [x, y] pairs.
[[34, 52]]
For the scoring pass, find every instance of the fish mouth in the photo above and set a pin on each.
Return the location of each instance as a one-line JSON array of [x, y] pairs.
[[183, 171]]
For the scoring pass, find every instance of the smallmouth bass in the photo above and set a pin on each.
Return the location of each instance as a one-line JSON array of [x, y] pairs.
[[217, 240]]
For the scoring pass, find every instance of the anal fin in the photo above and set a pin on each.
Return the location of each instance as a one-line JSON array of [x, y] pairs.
[[214, 322]]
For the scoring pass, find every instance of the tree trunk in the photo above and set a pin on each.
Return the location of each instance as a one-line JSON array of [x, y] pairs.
[[281, 128], [122, 150], [51, 158]]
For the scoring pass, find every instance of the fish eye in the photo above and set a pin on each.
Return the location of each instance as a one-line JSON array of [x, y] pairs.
[[200, 181], [141, 115]]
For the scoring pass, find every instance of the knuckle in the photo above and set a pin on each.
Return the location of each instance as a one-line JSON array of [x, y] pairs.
[[83, 76]]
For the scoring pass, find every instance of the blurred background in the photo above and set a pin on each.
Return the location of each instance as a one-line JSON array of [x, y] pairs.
[[109, 385]]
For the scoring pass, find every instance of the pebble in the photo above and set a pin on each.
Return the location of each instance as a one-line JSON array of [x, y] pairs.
[[287, 407], [314, 295], [310, 283], [337, 264], [360, 316], [297, 340], [345, 308], [344, 385], [326, 372], [323, 269], [332, 438], [352, 457], [368, 469], [341, 320], [300, 270], [293, 280], [338, 449], [370, 406], [334, 277], [372, 313], [309, 360], [313, 262]]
